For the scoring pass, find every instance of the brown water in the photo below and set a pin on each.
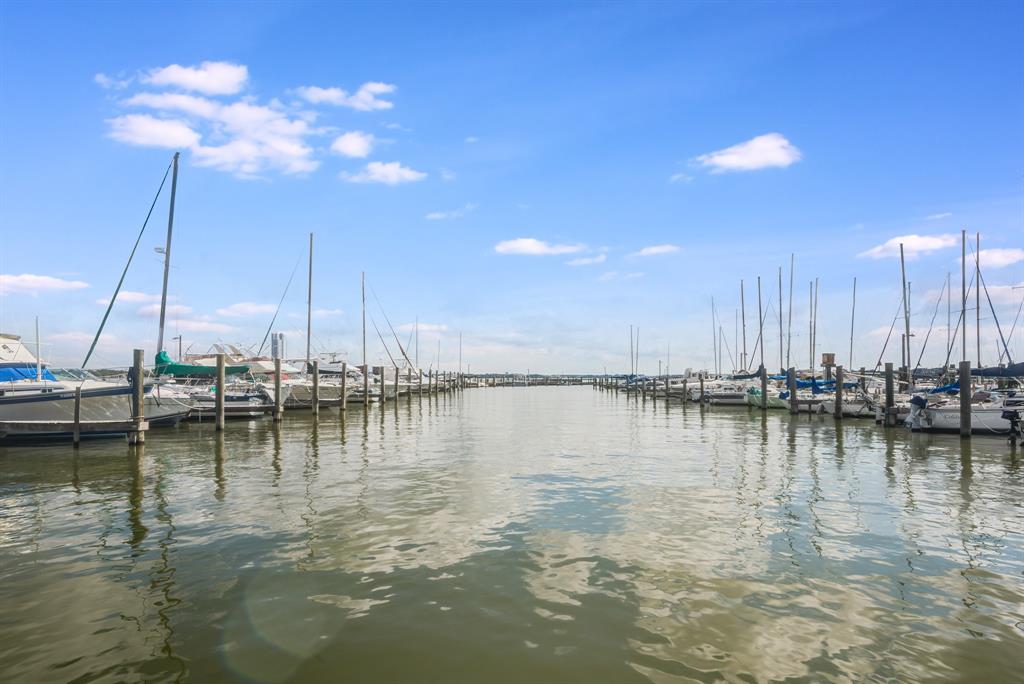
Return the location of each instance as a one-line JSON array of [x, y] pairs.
[[515, 535]]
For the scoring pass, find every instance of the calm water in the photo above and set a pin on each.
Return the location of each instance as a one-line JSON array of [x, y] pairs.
[[515, 535]]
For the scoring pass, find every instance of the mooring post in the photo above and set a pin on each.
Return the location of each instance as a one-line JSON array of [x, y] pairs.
[[396, 383], [278, 403], [863, 380], [137, 436], [763, 372], [77, 436], [344, 384], [701, 398], [219, 393], [316, 387], [839, 393], [890, 400], [794, 403], [419, 382], [654, 386], [965, 399]]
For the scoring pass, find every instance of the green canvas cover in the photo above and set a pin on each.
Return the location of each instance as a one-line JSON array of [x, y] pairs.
[[166, 366]]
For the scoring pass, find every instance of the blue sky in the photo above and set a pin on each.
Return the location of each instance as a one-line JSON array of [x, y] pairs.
[[464, 154]]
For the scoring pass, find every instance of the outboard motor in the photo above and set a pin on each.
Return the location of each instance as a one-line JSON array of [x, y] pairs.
[[1015, 426], [918, 412]]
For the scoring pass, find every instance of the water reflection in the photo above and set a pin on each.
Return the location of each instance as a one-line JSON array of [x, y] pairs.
[[515, 535]]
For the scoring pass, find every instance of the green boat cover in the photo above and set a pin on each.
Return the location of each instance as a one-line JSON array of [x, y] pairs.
[[166, 366]]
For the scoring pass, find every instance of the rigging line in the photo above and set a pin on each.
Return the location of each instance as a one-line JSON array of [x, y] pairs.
[[889, 336], [760, 330], [728, 350], [124, 273], [1014, 326], [393, 333], [959, 320], [994, 316], [278, 310], [381, 337], [924, 345]]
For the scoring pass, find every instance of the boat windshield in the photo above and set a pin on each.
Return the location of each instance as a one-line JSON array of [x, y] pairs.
[[73, 374]]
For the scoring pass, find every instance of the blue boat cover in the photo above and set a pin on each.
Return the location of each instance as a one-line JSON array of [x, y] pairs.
[[23, 372]]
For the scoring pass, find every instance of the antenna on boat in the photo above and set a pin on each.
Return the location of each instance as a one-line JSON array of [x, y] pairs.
[[167, 251]]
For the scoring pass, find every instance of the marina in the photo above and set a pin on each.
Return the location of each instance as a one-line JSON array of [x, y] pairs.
[[613, 539]]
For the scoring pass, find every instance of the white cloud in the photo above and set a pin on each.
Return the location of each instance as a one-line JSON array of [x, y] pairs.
[[680, 178], [210, 78], [397, 127], [764, 151], [110, 82], [655, 250], [147, 131], [998, 257], [134, 297], [354, 144], [938, 217], [534, 247], [389, 173], [326, 313], [242, 309], [365, 99], [913, 245], [453, 214], [252, 138], [586, 261], [153, 310], [447, 175], [32, 284], [472, 139]]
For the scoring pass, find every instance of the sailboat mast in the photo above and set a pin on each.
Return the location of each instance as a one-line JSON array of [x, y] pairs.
[[760, 320], [309, 303], [977, 292], [789, 312], [743, 313], [417, 329], [366, 368], [781, 367], [631, 357], [906, 311], [853, 314], [39, 354], [963, 293], [810, 326], [167, 252], [949, 313]]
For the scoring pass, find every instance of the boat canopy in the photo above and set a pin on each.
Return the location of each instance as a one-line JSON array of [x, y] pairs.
[[1014, 370], [12, 372], [166, 366]]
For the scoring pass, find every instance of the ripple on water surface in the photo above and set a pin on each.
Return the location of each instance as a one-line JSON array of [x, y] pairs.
[[540, 534]]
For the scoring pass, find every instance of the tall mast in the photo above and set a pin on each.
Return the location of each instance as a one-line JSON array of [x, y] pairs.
[[743, 312], [977, 292], [39, 354], [853, 314], [906, 313], [810, 326], [366, 368], [781, 367], [309, 303], [460, 352], [167, 252], [789, 312], [760, 321], [631, 350], [949, 313], [963, 293], [714, 337], [636, 365], [417, 329]]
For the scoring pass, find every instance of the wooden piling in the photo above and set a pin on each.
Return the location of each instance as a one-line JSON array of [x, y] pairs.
[[863, 380], [794, 404], [316, 387], [889, 417], [701, 376], [763, 372], [839, 393], [965, 399], [138, 435], [278, 403], [344, 385], [77, 435], [396, 383], [219, 393]]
